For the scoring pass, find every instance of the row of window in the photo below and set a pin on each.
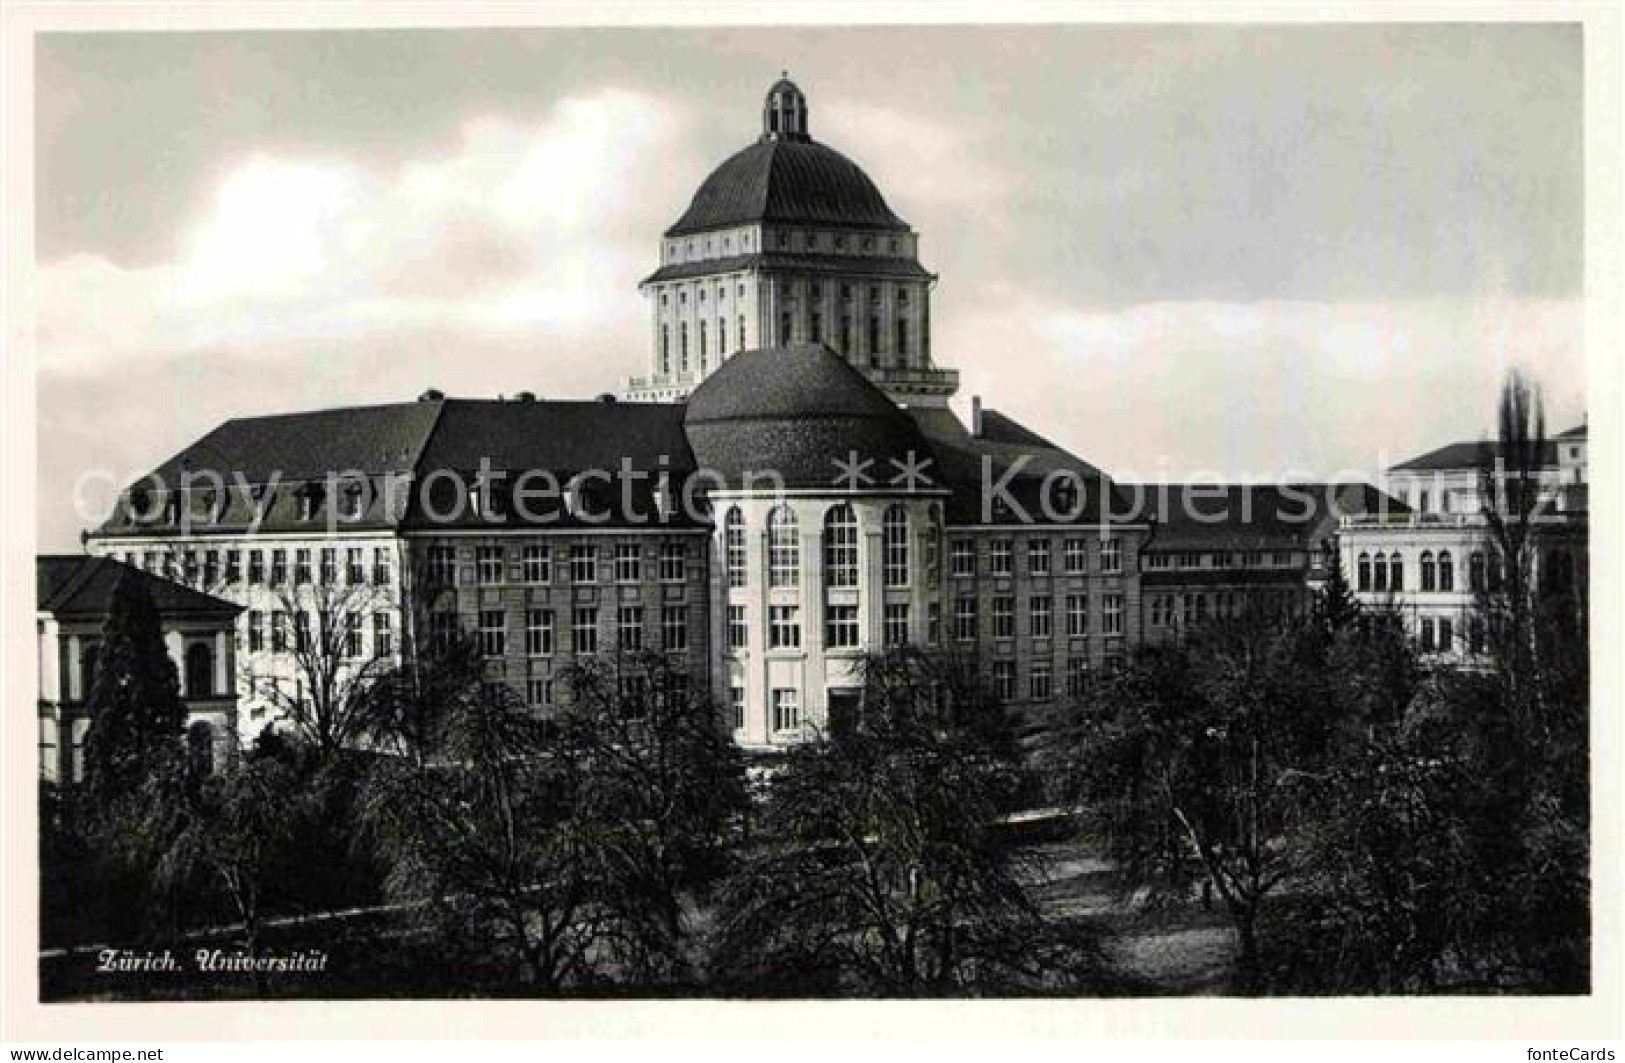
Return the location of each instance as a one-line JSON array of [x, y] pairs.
[[1001, 555], [785, 240], [840, 547], [1040, 616], [1438, 573], [540, 629], [208, 503], [535, 563], [1222, 559], [1189, 609], [225, 568], [282, 631]]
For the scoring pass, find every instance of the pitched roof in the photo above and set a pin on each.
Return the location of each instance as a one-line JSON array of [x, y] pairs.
[[311, 444], [82, 586], [1250, 516], [1454, 456], [787, 180], [1577, 432]]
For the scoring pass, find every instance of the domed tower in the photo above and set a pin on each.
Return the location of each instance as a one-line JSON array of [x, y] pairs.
[[788, 241]]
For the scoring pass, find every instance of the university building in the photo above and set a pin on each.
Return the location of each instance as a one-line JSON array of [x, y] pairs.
[[784, 490]]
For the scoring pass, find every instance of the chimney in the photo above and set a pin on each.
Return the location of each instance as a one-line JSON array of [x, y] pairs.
[[976, 416]]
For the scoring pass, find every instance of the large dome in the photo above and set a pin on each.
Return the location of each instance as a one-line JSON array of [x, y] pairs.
[[793, 411], [787, 177]]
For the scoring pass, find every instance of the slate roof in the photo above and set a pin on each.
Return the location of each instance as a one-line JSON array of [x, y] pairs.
[[793, 411], [1200, 517], [79, 587], [795, 181], [846, 265], [1465, 456]]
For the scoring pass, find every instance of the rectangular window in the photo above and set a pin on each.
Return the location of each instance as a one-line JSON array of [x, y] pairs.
[[1111, 614], [734, 547], [493, 632], [673, 562], [999, 557], [629, 628], [382, 565], [539, 692], [628, 562], [355, 566], [256, 631], [786, 709], [1004, 680], [584, 630], [301, 631], [736, 708], [963, 557], [279, 631], [538, 632], [738, 631], [1077, 557], [211, 568], [1157, 562], [279, 567], [783, 627], [352, 634], [583, 563], [1426, 630], [1111, 555], [894, 548], [442, 565], [536, 564], [256, 567], [841, 631], [1040, 685], [896, 624], [488, 565], [1077, 615], [674, 628], [330, 566], [1004, 617], [1077, 675], [383, 635], [1038, 557], [1447, 635], [189, 566], [443, 628], [965, 619], [1161, 610], [1040, 621]]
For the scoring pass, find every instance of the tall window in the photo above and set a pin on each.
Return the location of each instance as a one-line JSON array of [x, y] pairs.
[[256, 631], [355, 566], [722, 335], [330, 566], [1077, 615], [199, 670], [896, 624], [738, 630], [583, 563], [1475, 570], [628, 562], [783, 549], [786, 709], [1111, 614], [1040, 620], [1077, 675], [301, 566], [279, 631], [902, 336], [965, 618], [1038, 557], [381, 566], [665, 350], [1447, 571], [841, 629], [1429, 581], [734, 546], [682, 348], [629, 628], [1379, 573], [894, 546], [1004, 617], [256, 566], [211, 568], [442, 564], [1040, 685], [739, 336], [784, 327], [536, 564], [962, 557], [538, 632], [352, 635], [1004, 680], [674, 628], [1425, 634], [489, 564], [1447, 635], [1396, 572], [383, 634], [999, 557], [703, 345], [493, 632], [1076, 557], [673, 562], [1362, 570], [841, 547], [874, 339], [584, 629], [783, 627], [1111, 555]]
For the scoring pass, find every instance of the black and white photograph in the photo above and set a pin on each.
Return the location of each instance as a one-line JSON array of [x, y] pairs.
[[1054, 511]]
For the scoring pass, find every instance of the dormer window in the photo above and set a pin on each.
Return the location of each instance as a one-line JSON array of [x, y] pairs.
[[353, 500], [139, 503]]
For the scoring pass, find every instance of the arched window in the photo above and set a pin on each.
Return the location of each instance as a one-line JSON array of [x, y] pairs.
[[894, 546], [1363, 572], [734, 546], [783, 549], [1428, 579], [1475, 571], [1396, 572], [199, 670], [841, 547], [1447, 571], [1379, 574]]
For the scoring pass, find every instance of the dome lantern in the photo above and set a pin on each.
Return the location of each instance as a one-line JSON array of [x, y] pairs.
[[784, 114]]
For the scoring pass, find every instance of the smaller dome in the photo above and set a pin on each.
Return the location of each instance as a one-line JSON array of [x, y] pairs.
[[795, 412]]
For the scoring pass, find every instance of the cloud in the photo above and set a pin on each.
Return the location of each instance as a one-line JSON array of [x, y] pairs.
[[544, 227]]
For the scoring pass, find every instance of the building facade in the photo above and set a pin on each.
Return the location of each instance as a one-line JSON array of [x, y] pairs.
[[74, 595]]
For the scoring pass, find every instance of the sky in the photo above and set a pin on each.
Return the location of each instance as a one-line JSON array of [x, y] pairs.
[[1248, 252]]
